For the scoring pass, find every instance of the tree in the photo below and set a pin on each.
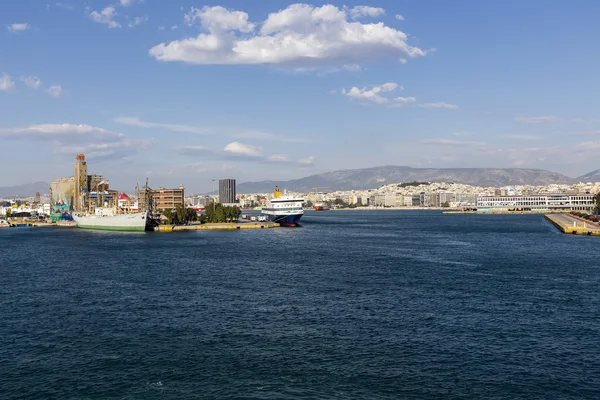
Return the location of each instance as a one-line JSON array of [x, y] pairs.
[[446, 204], [597, 203], [168, 214]]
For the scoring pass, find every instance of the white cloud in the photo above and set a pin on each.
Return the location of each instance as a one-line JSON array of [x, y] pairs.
[[219, 19], [260, 135], [55, 91], [17, 27], [399, 17], [137, 21], [366, 11], [452, 142], [278, 158], [106, 16], [127, 3], [520, 137], [442, 105], [297, 36], [133, 121], [32, 81], [6, 83], [537, 120], [373, 93], [66, 6], [352, 67], [405, 100], [174, 27], [71, 138], [242, 149], [161, 28], [307, 161]]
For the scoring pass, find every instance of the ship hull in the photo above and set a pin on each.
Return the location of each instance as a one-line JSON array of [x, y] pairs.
[[285, 220], [121, 223]]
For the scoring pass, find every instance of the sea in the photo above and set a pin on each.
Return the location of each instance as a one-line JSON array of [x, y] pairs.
[[351, 305]]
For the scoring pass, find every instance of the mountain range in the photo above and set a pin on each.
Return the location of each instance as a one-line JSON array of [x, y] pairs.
[[22, 191], [370, 178]]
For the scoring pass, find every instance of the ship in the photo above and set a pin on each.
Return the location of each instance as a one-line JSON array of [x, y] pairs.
[[321, 207], [105, 219], [285, 210]]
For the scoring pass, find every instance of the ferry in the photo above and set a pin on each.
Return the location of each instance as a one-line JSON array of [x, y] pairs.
[[285, 210]]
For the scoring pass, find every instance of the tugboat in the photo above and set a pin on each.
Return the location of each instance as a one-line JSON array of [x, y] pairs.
[[321, 207], [285, 210]]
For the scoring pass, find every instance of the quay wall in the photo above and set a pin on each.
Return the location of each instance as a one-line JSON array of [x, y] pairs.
[[563, 226]]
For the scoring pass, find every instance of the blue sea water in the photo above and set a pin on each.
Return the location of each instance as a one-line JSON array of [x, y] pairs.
[[354, 304]]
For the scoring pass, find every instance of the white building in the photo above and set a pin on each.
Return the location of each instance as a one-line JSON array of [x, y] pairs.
[[583, 202]]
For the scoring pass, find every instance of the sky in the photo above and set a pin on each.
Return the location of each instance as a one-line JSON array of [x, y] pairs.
[[183, 92]]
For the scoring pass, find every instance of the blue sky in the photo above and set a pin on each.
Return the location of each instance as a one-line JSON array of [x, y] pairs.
[[187, 91]]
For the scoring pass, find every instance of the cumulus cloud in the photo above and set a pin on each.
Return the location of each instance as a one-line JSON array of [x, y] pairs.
[[17, 27], [366, 11], [537, 120], [55, 91], [133, 121], [32, 81], [106, 16], [242, 149], [70, 138], [298, 36], [373, 94], [6, 83], [441, 105], [137, 21], [399, 17]]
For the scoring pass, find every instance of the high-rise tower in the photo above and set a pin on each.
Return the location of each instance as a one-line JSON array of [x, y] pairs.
[[81, 183], [227, 191]]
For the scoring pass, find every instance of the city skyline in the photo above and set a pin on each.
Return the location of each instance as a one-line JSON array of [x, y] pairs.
[[187, 92]]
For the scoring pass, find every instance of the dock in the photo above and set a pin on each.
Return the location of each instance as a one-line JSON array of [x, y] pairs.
[[573, 225], [217, 226]]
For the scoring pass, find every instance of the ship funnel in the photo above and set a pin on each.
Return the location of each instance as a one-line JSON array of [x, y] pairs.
[[277, 192]]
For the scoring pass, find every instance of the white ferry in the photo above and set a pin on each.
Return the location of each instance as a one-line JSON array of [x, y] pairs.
[[285, 210]]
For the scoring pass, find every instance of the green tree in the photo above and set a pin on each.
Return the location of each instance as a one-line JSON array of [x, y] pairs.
[[168, 214], [597, 203], [8, 214], [446, 204]]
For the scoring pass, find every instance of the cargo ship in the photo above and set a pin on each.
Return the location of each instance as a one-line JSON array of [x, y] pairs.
[[321, 207], [105, 219], [285, 210]]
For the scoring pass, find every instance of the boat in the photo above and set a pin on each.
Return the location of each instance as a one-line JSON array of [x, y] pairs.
[[321, 207], [4, 224], [285, 210], [106, 219]]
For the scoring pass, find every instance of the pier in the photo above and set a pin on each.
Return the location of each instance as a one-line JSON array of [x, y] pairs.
[[216, 226], [573, 225]]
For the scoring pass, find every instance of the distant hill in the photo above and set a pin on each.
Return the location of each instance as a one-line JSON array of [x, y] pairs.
[[370, 178], [593, 176], [22, 191]]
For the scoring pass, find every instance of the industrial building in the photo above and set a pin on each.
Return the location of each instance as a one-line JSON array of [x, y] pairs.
[[227, 191], [80, 192], [545, 202]]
